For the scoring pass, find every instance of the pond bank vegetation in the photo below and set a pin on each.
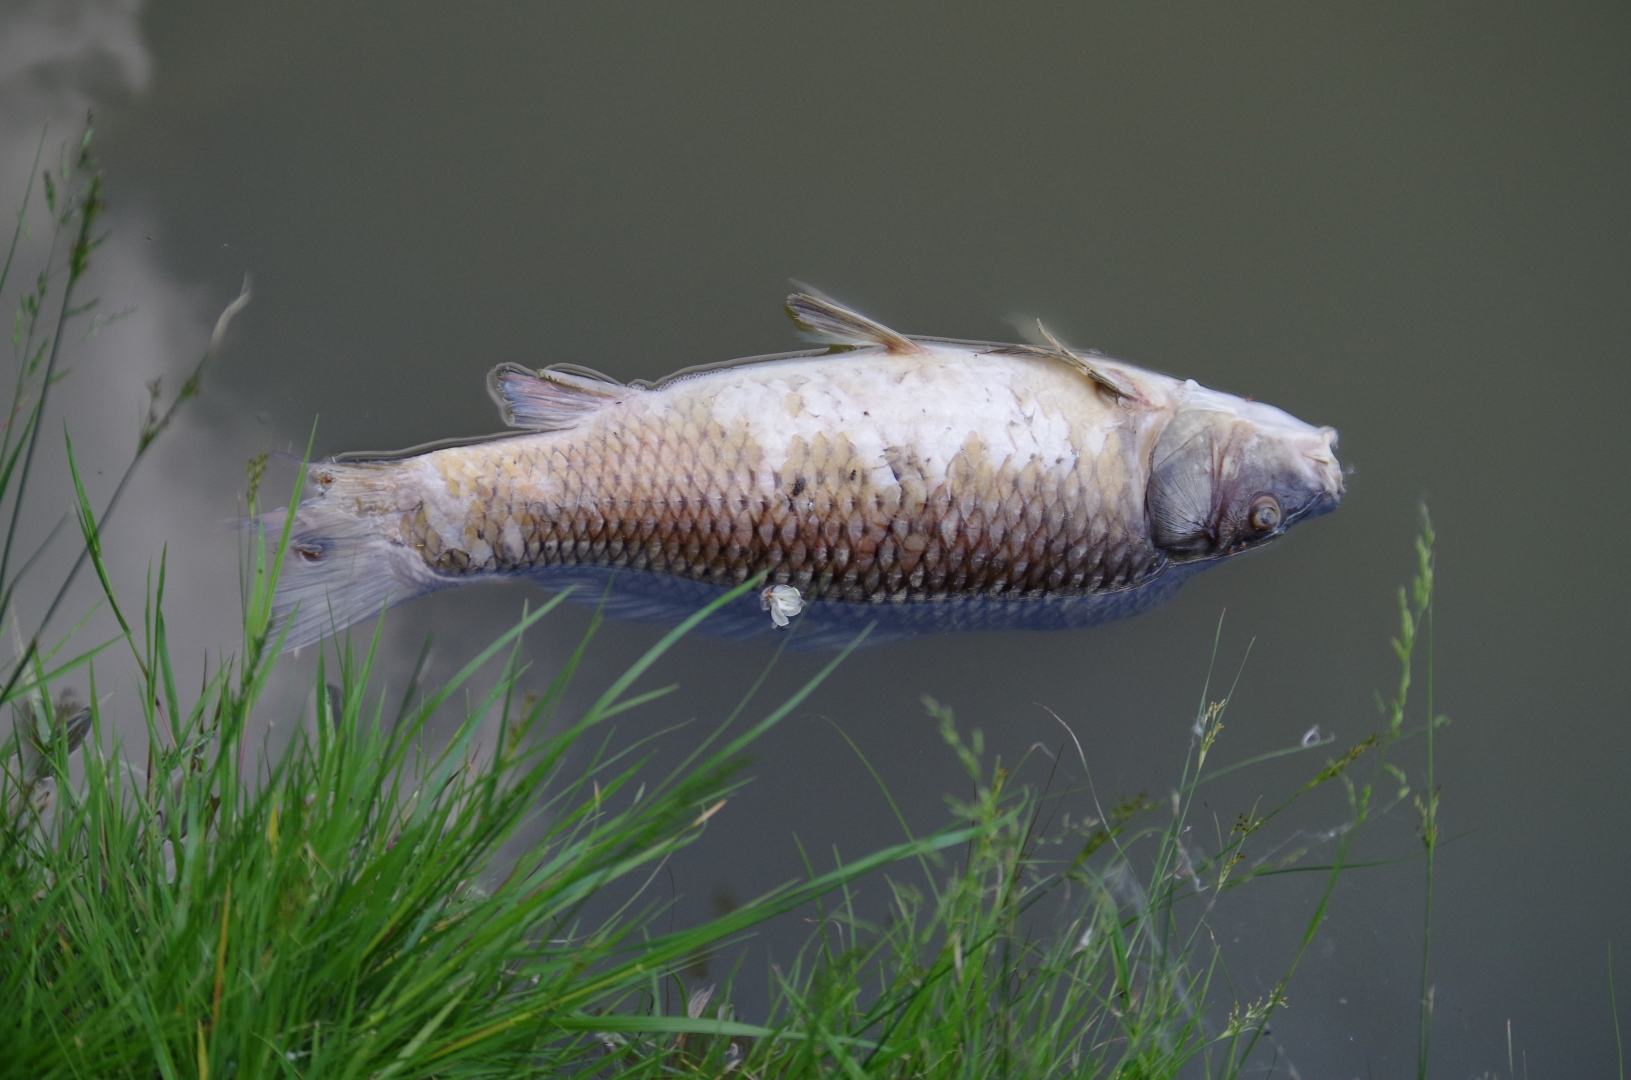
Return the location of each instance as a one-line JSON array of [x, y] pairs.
[[364, 904]]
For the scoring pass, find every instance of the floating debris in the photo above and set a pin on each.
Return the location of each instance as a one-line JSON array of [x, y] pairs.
[[783, 602]]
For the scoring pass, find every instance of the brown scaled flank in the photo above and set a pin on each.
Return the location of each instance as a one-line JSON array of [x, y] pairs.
[[679, 495]]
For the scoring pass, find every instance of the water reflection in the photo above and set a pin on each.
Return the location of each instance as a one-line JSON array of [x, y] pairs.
[[58, 63]]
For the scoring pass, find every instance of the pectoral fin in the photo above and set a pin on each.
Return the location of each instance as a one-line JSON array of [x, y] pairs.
[[555, 398], [824, 320]]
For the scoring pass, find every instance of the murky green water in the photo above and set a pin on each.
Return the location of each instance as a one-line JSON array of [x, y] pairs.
[[1410, 223]]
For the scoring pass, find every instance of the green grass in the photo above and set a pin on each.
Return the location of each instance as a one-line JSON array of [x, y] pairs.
[[367, 902]]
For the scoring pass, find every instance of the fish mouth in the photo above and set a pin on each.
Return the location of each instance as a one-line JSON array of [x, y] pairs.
[[1323, 504], [1320, 505]]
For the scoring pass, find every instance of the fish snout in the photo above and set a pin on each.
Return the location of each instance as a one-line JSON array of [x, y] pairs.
[[1326, 473]]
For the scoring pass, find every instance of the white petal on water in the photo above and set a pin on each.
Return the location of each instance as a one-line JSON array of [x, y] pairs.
[[783, 602]]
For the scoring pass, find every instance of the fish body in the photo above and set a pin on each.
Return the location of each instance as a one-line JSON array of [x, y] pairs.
[[936, 483]]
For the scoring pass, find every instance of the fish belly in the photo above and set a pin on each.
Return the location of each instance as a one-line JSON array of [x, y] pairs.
[[956, 475]]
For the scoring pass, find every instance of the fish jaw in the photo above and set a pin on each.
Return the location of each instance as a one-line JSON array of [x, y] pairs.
[[1230, 474]]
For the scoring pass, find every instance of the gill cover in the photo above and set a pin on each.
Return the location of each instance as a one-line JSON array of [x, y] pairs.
[[1229, 474]]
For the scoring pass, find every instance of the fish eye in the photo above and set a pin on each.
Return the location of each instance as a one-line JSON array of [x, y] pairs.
[[1265, 513]]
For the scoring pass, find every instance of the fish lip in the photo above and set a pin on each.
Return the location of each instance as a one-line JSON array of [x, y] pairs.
[[1323, 504]]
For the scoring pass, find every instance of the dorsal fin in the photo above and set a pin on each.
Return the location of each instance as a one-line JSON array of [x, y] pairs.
[[558, 397], [1086, 366], [824, 320]]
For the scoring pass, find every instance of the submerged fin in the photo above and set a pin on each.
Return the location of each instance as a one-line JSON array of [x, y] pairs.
[[824, 320], [553, 399], [1119, 387]]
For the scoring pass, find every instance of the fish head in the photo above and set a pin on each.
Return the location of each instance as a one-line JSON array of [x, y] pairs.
[[1229, 474]]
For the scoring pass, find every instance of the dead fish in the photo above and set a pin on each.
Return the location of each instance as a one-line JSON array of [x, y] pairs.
[[911, 483]]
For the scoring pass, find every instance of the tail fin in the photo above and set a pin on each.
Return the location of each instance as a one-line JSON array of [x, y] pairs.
[[343, 564]]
